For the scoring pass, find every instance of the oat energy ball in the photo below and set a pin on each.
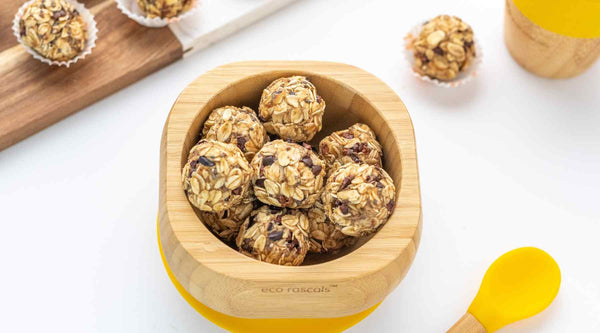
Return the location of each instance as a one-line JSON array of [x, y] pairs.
[[288, 175], [164, 8], [444, 48], [355, 144], [216, 176], [238, 126], [226, 224], [325, 237], [291, 108], [275, 235], [54, 29], [359, 198]]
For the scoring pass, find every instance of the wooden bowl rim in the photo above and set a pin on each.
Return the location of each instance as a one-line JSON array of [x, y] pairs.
[[406, 220]]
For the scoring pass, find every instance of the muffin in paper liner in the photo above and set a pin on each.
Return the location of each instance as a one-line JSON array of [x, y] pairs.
[[462, 78], [90, 43], [133, 11]]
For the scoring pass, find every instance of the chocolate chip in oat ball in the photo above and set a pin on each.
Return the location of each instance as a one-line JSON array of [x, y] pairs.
[[268, 160], [307, 160], [206, 161], [390, 205], [346, 182], [237, 190], [316, 169], [344, 208], [275, 235], [241, 142], [260, 182]]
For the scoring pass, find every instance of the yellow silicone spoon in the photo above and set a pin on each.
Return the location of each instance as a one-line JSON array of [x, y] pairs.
[[518, 285]]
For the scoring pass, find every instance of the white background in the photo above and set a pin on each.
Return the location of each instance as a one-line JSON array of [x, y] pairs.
[[507, 161]]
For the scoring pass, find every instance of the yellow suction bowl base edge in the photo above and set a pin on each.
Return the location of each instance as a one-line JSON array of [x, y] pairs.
[[245, 325]]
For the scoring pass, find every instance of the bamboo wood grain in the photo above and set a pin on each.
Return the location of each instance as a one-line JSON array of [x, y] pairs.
[[236, 285], [467, 324], [543, 52], [34, 95]]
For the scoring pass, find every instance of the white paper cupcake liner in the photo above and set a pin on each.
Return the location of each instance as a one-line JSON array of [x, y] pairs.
[[90, 43], [462, 78], [133, 11]]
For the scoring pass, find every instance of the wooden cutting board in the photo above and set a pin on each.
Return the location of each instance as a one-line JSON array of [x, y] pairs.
[[34, 95]]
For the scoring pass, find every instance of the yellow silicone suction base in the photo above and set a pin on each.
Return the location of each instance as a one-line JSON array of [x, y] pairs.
[[239, 325]]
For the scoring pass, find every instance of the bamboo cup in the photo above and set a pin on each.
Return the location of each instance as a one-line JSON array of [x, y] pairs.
[[553, 38]]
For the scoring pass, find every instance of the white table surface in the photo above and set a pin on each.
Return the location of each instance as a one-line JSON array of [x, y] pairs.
[[509, 160]]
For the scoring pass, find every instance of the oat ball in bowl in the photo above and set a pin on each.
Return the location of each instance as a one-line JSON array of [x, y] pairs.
[[444, 48], [288, 175], [325, 236], [356, 144], [54, 29], [164, 8], [216, 176], [226, 224], [359, 198], [291, 108], [236, 125], [275, 235]]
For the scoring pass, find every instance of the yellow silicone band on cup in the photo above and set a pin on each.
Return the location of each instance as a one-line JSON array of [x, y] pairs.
[[572, 18], [244, 325]]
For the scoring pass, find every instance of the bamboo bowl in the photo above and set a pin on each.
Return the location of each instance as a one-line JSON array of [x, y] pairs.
[[219, 279]]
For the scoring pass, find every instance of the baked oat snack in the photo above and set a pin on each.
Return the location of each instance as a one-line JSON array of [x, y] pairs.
[[288, 175], [164, 8], [275, 235], [325, 237], [226, 224], [444, 47], [54, 29], [356, 144], [359, 198], [291, 108], [238, 126], [216, 176]]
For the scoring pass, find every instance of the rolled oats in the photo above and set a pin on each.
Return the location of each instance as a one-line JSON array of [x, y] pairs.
[[164, 8], [216, 176], [238, 126], [355, 144], [226, 224], [359, 198], [275, 235], [54, 29], [288, 175], [325, 237], [291, 108], [443, 48]]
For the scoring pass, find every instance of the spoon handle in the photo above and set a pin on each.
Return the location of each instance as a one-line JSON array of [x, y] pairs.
[[467, 324]]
